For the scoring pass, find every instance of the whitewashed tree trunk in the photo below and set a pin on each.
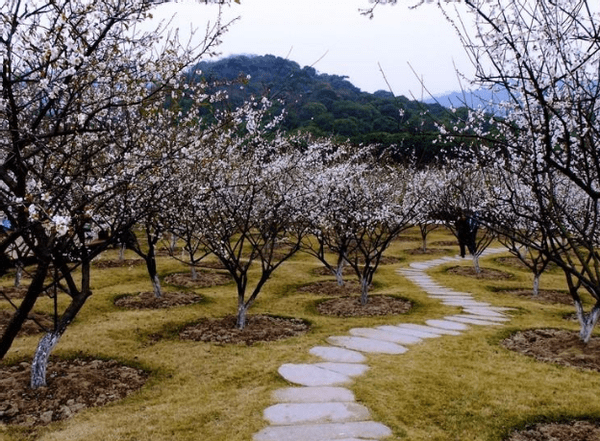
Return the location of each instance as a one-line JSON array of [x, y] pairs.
[[18, 274], [476, 264], [364, 291], [156, 286], [39, 364], [588, 321], [122, 249], [536, 284], [173, 243], [194, 273], [241, 316]]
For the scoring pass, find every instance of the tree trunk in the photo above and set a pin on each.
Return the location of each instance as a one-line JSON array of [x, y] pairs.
[[40, 359], [194, 273], [18, 273], [173, 243], [122, 249], [424, 244], [156, 286], [47, 343], [241, 316], [588, 321], [339, 276], [536, 284], [20, 315], [476, 263], [364, 290]]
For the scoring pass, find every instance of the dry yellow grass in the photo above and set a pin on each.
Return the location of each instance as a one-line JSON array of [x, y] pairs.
[[453, 388]]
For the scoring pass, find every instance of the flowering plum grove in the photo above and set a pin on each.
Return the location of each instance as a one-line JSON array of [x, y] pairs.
[[78, 84], [544, 151]]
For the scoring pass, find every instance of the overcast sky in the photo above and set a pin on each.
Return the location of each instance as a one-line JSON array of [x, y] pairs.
[[334, 37]]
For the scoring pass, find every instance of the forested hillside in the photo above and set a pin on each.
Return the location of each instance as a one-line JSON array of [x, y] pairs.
[[326, 105]]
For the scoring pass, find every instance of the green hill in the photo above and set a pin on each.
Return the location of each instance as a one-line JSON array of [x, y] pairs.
[[329, 105]]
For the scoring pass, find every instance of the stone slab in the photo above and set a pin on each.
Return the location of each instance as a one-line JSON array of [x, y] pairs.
[[431, 329], [484, 317], [484, 311], [316, 394], [445, 324], [311, 375], [303, 413], [324, 432], [471, 321], [464, 303], [410, 332], [349, 369], [339, 355], [367, 345], [382, 334]]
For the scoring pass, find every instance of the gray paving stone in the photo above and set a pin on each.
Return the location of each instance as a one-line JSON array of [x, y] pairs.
[[340, 355], [316, 394], [367, 345], [471, 321], [465, 303], [316, 413], [431, 329], [410, 332], [484, 317], [311, 375], [484, 311], [445, 324], [382, 334], [324, 432], [349, 369]]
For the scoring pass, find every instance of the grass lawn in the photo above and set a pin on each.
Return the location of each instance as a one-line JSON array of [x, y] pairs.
[[465, 387]]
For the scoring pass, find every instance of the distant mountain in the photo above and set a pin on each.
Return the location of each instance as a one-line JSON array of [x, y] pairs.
[[479, 98], [329, 105]]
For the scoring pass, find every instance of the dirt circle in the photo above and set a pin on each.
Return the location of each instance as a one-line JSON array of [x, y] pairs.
[[544, 295], [258, 328], [117, 263], [73, 385], [204, 279], [13, 292], [147, 300], [446, 243], [571, 431], [486, 273], [331, 288], [376, 306], [35, 323], [558, 346]]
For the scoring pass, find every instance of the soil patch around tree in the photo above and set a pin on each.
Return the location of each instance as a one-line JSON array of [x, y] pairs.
[[259, 328], [486, 273], [544, 295], [446, 243], [571, 431], [35, 323], [102, 264], [376, 306], [203, 279], [13, 292], [73, 385], [558, 346], [211, 264], [147, 300], [331, 288]]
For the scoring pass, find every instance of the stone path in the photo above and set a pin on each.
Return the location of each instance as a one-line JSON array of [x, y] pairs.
[[320, 408]]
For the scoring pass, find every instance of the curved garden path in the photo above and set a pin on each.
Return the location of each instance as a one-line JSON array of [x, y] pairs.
[[321, 408]]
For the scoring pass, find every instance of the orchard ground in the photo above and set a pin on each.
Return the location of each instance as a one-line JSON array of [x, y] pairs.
[[475, 386]]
